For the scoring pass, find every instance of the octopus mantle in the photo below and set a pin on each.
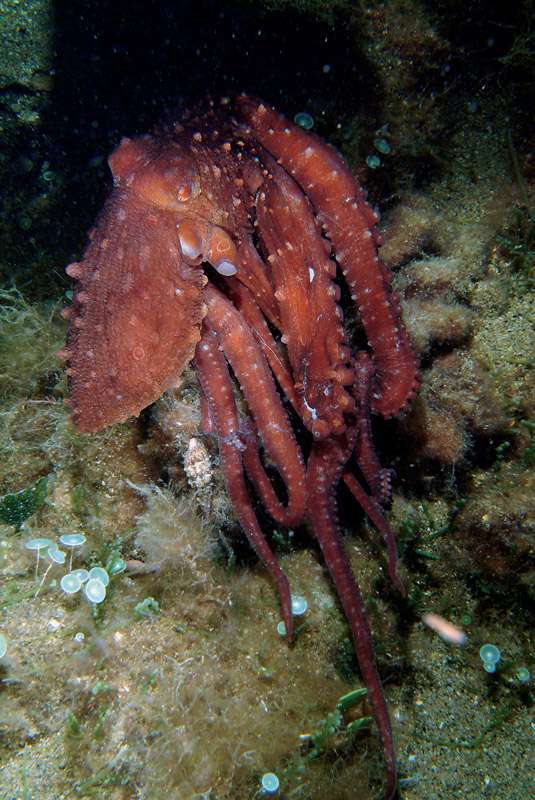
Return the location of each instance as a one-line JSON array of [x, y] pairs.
[[225, 241]]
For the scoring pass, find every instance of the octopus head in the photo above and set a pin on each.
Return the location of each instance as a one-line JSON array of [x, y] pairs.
[[159, 174]]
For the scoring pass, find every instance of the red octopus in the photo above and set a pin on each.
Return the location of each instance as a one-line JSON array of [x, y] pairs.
[[225, 240]]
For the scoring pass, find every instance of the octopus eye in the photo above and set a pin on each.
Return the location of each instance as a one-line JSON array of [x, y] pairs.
[[184, 193]]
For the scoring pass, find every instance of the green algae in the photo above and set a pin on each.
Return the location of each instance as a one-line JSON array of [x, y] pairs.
[[18, 507]]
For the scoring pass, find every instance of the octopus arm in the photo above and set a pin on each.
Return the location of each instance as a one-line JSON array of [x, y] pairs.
[[253, 275], [136, 315], [244, 301], [325, 467], [378, 479], [310, 317], [256, 381], [373, 511], [208, 421], [257, 474], [349, 223], [213, 375]]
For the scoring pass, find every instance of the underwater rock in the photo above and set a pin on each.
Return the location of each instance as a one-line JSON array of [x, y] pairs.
[[497, 526], [456, 406]]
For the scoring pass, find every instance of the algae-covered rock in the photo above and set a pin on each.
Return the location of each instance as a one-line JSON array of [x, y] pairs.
[[25, 42], [17, 507]]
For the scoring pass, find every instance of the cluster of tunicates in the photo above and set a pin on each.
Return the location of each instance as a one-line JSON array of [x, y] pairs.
[[93, 581], [491, 656], [381, 145]]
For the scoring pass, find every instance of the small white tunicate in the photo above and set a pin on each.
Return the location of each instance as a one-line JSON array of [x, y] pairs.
[[55, 555], [72, 539], [304, 120], [381, 145], [37, 544], [490, 654], [81, 574], [270, 782], [118, 566], [70, 583], [100, 574], [95, 591], [299, 606]]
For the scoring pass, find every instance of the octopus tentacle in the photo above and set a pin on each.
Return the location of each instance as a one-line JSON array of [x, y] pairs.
[[213, 375], [245, 302], [246, 359], [378, 479], [373, 511], [325, 467], [256, 472], [208, 422], [348, 222], [253, 274], [311, 321]]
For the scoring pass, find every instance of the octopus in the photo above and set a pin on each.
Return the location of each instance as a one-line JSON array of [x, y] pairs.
[[226, 241]]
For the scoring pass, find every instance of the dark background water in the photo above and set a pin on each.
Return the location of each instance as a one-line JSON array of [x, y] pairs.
[[118, 67]]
